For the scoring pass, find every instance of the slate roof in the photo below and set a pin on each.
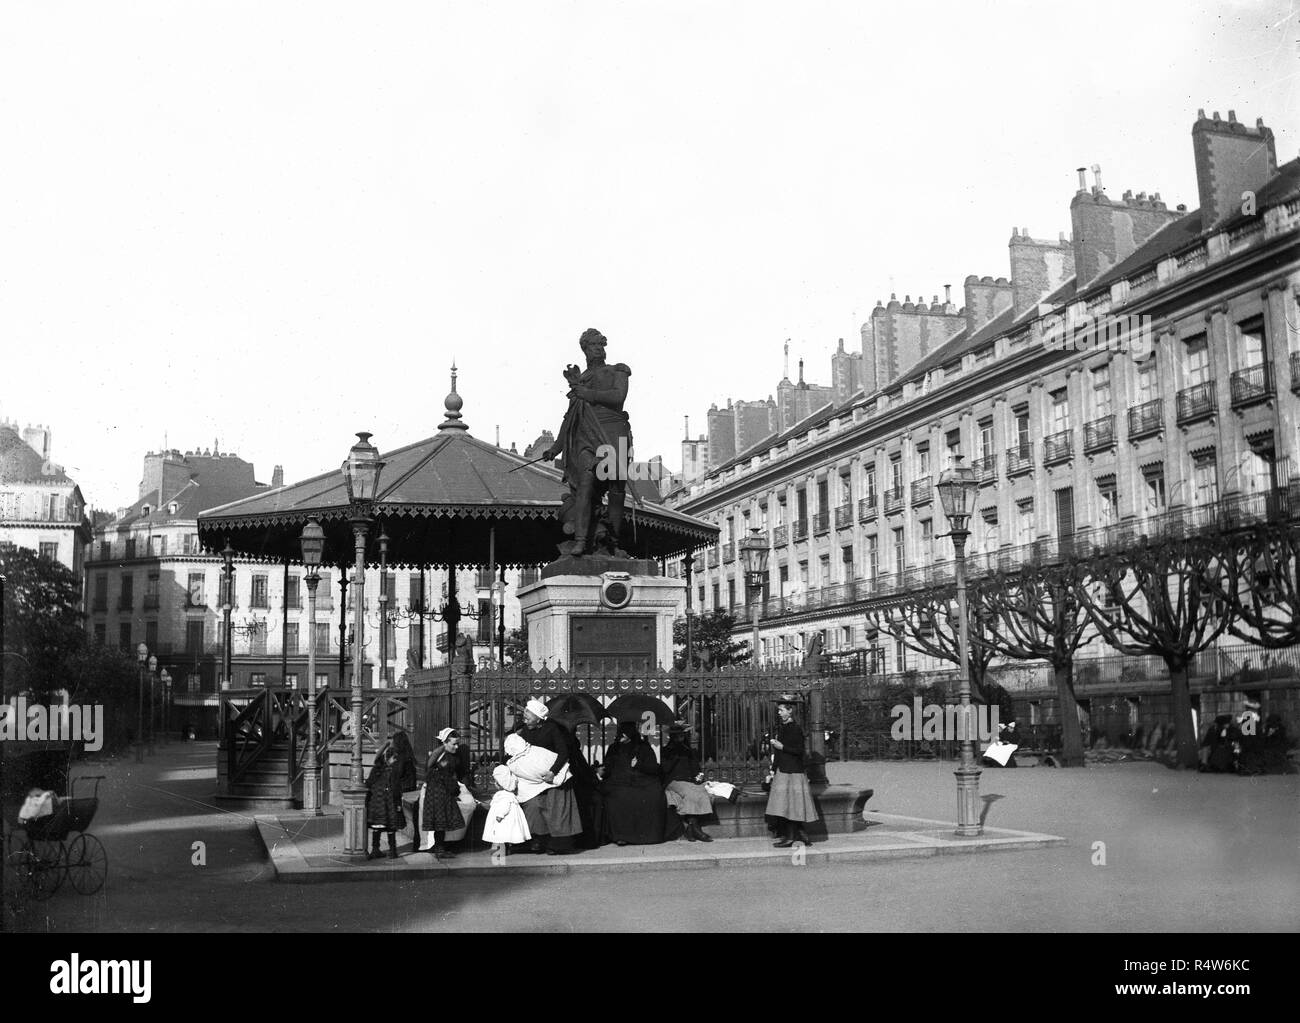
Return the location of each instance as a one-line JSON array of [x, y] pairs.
[[214, 481], [21, 463]]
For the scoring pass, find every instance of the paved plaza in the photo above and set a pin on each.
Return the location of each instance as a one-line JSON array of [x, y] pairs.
[[1145, 848]]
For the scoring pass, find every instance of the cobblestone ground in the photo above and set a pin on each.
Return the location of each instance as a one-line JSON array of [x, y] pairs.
[[1181, 851]]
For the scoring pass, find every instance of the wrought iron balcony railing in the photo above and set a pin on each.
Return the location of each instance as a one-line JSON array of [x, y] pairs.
[[801, 530], [922, 490], [780, 536], [986, 469], [1019, 459], [1196, 402], [728, 553], [843, 516], [1252, 384], [822, 522], [867, 508], [712, 557], [893, 500], [1146, 419], [1099, 434], [1058, 447]]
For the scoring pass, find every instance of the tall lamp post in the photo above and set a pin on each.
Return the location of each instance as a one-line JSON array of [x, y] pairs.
[[227, 606], [313, 546], [165, 678], [142, 658], [958, 486], [754, 551], [361, 474], [153, 674], [383, 607]]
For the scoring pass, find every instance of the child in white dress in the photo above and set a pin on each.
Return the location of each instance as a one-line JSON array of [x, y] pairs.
[[506, 823]]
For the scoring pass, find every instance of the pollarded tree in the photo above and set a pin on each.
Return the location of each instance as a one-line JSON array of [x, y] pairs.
[[1036, 614], [711, 638], [1169, 599], [1264, 593], [926, 622]]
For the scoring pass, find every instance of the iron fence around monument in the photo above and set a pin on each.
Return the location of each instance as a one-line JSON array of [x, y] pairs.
[[730, 711]]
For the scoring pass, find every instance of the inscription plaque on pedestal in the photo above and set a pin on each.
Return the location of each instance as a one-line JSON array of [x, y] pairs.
[[603, 642]]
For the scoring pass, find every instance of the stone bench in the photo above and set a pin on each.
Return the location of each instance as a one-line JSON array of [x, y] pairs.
[[840, 807]]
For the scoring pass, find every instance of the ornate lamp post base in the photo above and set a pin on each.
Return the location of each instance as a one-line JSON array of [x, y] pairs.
[[354, 820], [311, 791], [968, 794]]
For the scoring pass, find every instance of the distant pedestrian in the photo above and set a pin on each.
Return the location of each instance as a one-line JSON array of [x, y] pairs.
[[790, 799]]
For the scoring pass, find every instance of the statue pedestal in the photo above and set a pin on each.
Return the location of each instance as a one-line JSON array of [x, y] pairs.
[[608, 616]]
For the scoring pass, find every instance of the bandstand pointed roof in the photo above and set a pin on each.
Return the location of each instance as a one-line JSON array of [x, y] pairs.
[[438, 501]]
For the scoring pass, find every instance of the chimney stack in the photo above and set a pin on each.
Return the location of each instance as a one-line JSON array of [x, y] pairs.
[[1231, 158], [277, 476]]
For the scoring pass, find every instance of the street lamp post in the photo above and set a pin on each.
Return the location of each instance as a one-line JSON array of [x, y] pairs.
[[227, 606], [957, 488], [165, 678], [313, 546], [153, 672], [754, 551], [383, 607], [361, 474], [142, 658]]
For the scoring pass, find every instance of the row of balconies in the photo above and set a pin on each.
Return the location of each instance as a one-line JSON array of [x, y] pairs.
[[1225, 515]]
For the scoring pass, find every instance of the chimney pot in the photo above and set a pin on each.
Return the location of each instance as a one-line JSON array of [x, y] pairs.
[[1083, 179], [1216, 115], [947, 294], [1232, 117]]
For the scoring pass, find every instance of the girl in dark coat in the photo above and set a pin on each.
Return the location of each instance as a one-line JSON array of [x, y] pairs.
[[384, 803], [631, 806], [790, 798], [442, 792]]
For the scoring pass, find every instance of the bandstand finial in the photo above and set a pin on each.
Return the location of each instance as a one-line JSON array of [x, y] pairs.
[[453, 404]]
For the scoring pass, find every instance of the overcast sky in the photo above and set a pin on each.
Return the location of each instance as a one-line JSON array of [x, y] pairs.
[[275, 224]]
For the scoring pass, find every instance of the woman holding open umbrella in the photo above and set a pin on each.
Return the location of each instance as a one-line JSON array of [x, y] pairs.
[[790, 798]]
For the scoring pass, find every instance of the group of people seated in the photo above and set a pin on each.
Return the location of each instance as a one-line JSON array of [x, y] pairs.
[[1244, 745], [549, 799]]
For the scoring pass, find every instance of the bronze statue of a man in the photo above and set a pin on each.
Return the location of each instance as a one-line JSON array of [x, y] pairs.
[[596, 442]]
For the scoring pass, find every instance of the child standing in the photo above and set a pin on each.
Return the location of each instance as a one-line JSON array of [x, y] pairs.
[[384, 803], [506, 824]]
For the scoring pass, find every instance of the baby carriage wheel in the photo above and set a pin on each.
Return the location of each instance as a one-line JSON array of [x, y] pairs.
[[87, 864]]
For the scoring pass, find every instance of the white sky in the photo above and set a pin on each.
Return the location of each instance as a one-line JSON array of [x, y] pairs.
[[276, 224]]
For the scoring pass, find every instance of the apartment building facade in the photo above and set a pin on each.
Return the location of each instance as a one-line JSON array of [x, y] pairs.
[[1140, 374], [41, 507]]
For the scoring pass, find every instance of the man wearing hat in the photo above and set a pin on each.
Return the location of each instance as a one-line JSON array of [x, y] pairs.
[[683, 782], [789, 799], [552, 815]]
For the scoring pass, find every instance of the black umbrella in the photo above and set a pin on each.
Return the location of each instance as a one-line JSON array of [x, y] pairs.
[[643, 709], [573, 709]]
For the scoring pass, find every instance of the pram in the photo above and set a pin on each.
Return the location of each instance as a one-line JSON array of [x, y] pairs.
[[42, 851]]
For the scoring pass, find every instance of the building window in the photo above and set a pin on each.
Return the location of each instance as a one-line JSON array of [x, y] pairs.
[[846, 562], [870, 480], [192, 544], [322, 680], [101, 633], [900, 552], [158, 546], [1107, 502], [130, 547], [824, 570], [1197, 361], [803, 576], [896, 473], [323, 638], [783, 579], [291, 638], [927, 541], [780, 511], [900, 656], [1205, 479], [124, 636], [195, 587], [257, 642], [1101, 403], [484, 624], [1148, 385], [1154, 490], [151, 636], [700, 602], [1022, 431], [1025, 527], [194, 636], [872, 567], [259, 592], [762, 516], [717, 596], [257, 679], [126, 593], [953, 442], [101, 591], [1251, 342], [293, 593], [923, 460], [1060, 411], [731, 594], [291, 681], [986, 438], [49, 551], [991, 534], [846, 490]]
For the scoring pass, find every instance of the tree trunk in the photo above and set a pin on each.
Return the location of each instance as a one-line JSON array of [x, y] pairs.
[[1071, 738], [1181, 707]]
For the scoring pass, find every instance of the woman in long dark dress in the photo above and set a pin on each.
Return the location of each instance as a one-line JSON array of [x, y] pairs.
[[631, 808], [442, 792], [790, 799]]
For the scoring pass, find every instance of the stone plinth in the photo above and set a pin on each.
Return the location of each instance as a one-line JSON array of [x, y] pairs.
[[570, 626]]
